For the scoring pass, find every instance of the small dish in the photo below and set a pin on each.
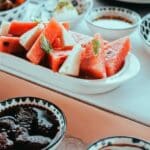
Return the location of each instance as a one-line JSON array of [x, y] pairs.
[[14, 13], [47, 9], [113, 22], [120, 142], [42, 105], [145, 32]]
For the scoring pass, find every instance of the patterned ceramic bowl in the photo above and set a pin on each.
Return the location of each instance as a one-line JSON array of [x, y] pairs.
[[113, 22], [14, 13], [46, 105], [120, 143], [145, 32]]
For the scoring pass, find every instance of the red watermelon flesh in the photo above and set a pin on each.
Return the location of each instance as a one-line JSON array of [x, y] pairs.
[[9, 44], [58, 45], [51, 32], [93, 65], [36, 53], [27, 39], [56, 59], [115, 53], [17, 28]]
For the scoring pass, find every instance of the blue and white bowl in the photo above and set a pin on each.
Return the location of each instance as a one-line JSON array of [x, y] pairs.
[[122, 142], [145, 32], [14, 13], [38, 102]]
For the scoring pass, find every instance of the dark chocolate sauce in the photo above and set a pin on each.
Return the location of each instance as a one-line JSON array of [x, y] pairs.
[[27, 127]]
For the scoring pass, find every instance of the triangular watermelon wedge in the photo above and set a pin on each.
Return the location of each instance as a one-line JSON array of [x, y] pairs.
[[93, 59], [51, 32], [57, 58], [115, 53]]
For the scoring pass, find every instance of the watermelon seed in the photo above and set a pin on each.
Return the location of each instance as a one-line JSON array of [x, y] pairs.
[[6, 43]]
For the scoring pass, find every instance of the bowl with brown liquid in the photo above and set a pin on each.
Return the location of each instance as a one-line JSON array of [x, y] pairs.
[[120, 143], [30, 123], [113, 22]]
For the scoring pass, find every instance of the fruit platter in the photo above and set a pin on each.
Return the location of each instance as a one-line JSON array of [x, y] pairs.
[[48, 53]]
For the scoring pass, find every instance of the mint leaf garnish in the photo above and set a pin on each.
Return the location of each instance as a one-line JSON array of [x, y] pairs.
[[38, 20], [96, 46], [45, 45]]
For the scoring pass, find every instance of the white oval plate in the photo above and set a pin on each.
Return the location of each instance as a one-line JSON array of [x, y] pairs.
[[49, 79]]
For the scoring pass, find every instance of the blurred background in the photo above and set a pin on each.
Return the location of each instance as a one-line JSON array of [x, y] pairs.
[[141, 8]]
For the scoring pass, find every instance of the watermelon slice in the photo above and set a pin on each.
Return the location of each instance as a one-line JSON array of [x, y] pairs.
[[9, 44], [50, 33], [65, 41], [58, 44], [71, 66], [36, 53], [17, 28], [56, 59], [93, 59], [115, 53], [28, 38]]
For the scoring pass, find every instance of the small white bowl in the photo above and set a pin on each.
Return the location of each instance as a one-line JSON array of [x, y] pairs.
[[38, 102], [120, 140], [14, 13], [46, 12], [113, 33], [145, 32]]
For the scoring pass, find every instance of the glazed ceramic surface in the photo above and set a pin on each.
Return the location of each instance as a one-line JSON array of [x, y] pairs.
[[113, 33], [120, 140], [14, 13], [145, 32]]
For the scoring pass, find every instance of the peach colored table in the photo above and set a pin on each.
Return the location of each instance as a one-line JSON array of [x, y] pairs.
[[83, 121]]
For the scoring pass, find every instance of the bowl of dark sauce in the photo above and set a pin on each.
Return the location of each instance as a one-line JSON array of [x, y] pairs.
[[30, 123]]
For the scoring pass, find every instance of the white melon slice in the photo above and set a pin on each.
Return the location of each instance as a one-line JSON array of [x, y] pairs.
[[4, 29], [67, 37], [28, 38], [71, 66]]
